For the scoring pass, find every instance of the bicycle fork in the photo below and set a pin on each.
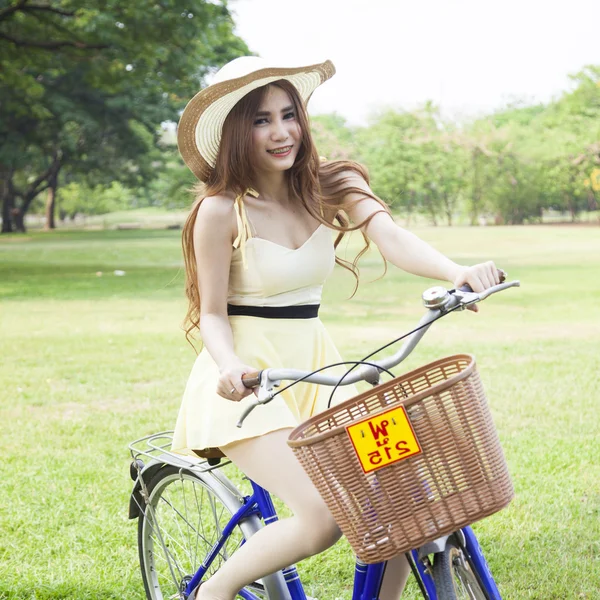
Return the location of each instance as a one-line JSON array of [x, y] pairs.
[[422, 567], [368, 578]]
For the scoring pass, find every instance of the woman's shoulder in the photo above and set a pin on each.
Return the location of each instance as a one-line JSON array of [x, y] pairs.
[[216, 214], [217, 206]]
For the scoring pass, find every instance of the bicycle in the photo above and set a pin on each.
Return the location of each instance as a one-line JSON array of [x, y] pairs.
[[191, 517]]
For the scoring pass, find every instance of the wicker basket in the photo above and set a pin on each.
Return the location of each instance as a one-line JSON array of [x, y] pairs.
[[457, 474]]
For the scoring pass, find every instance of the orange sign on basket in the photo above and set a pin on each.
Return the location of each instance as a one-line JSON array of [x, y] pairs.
[[384, 439]]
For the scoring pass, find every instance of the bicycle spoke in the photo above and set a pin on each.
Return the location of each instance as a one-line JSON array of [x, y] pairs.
[[199, 513], [175, 542], [465, 579], [186, 513], [164, 547], [182, 522], [179, 513]]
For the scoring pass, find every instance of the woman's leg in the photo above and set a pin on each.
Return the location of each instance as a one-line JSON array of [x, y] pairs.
[[270, 462], [396, 573]]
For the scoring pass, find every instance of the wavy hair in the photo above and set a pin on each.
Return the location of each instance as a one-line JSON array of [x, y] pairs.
[[319, 185]]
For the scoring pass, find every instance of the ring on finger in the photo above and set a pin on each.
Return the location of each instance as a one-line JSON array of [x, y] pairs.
[[232, 390]]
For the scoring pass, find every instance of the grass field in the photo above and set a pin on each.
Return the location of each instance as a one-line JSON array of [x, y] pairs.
[[90, 362]]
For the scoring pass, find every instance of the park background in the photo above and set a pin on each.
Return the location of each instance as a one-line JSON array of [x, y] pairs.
[[93, 195]]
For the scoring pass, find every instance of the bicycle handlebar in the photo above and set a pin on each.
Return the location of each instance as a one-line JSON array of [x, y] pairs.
[[438, 300]]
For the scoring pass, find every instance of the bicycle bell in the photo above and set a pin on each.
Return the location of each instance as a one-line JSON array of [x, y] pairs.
[[435, 297]]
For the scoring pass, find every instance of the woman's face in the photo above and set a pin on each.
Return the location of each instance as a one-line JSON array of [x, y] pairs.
[[276, 135]]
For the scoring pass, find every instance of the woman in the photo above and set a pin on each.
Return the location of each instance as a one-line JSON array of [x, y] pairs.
[[258, 245]]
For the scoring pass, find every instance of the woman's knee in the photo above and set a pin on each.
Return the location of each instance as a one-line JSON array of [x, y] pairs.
[[319, 530]]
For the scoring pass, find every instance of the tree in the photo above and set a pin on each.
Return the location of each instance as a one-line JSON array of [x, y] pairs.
[[173, 188], [85, 89], [387, 147], [76, 198], [332, 136]]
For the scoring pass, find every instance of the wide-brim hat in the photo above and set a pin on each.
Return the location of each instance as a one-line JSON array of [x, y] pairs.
[[201, 124]]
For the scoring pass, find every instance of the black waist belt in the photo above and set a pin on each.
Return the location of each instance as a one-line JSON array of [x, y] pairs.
[[304, 311]]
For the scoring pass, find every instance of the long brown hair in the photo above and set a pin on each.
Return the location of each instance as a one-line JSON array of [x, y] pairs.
[[319, 185]]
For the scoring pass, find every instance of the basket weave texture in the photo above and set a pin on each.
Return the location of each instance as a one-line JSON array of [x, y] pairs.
[[459, 477]]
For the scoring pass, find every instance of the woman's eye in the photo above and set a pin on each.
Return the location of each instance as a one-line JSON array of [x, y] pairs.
[[260, 121], [289, 115]]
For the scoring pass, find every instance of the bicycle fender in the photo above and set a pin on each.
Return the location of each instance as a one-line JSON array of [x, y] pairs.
[[148, 472], [439, 545], [135, 499]]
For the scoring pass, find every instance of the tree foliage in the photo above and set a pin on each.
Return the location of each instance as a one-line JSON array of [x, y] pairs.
[[84, 87], [508, 167]]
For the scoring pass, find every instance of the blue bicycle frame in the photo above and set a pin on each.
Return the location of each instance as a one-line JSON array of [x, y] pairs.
[[367, 577]]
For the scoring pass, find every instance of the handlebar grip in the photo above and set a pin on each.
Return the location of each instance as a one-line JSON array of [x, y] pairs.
[[252, 380], [502, 275]]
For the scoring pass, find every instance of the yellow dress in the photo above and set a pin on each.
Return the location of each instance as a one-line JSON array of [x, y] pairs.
[[264, 273]]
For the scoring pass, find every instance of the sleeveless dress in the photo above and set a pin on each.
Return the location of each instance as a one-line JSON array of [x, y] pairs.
[[263, 273]]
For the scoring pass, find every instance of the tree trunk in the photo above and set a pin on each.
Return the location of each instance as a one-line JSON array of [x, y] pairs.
[[570, 206], [7, 203], [7, 197], [41, 183], [592, 202], [18, 218], [476, 190], [448, 207], [430, 208], [51, 202]]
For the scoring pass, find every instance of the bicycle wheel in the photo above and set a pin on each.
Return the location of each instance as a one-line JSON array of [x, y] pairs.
[[180, 524], [454, 577]]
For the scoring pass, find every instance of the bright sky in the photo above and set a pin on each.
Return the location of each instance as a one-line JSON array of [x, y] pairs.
[[468, 56]]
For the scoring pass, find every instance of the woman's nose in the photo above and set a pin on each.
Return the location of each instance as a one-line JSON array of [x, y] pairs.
[[279, 132]]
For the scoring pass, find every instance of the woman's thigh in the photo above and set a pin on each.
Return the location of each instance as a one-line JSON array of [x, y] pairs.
[[271, 463]]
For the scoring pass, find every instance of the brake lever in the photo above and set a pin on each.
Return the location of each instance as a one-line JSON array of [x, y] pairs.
[[466, 298], [266, 393], [465, 295]]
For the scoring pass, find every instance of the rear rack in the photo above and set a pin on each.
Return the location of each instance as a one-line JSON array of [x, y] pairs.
[[157, 448]]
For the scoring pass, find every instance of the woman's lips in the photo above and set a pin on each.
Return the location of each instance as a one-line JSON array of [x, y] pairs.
[[280, 154]]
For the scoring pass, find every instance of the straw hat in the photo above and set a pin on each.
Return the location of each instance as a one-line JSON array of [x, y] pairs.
[[201, 124]]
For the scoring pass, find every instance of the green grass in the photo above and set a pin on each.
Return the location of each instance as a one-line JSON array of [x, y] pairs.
[[152, 217], [91, 362]]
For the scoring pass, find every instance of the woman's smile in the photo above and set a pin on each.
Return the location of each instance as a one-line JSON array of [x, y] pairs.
[[282, 151], [275, 132]]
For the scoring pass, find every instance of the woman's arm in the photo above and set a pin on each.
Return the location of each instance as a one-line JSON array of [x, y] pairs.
[[407, 251], [213, 235]]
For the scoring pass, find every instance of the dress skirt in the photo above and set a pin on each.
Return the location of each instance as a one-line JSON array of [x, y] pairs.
[[206, 420]]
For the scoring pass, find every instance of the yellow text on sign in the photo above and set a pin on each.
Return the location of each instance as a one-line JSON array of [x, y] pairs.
[[384, 439]]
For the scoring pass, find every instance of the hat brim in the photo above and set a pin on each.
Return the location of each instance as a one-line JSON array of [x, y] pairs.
[[201, 124]]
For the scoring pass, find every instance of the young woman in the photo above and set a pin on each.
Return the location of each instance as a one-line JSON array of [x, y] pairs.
[[258, 246]]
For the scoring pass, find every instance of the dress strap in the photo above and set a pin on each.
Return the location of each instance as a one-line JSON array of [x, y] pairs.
[[243, 225]]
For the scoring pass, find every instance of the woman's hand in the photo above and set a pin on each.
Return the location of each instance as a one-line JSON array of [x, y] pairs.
[[230, 385], [479, 277]]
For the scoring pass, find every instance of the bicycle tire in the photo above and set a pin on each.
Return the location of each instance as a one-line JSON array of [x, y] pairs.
[[179, 524], [454, 576]]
